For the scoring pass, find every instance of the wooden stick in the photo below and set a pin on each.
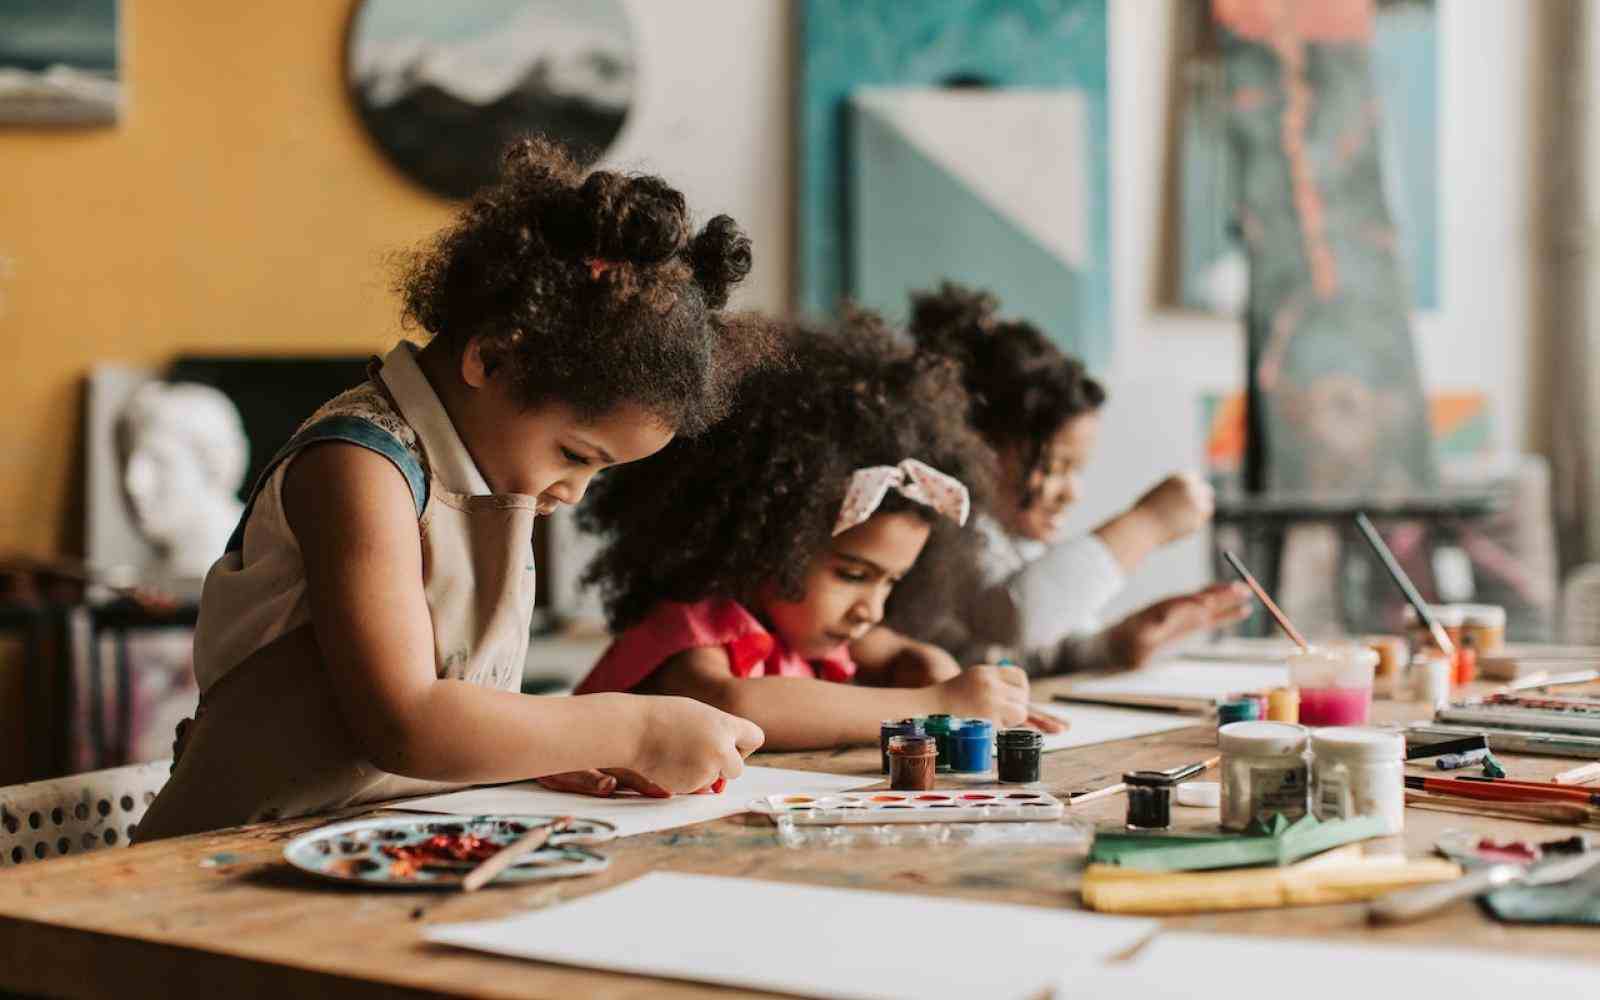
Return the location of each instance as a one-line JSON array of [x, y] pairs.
[[1536, 812], [1579, 775], [1267, 602], [1098, 793], [1398, 575], [508, 855]]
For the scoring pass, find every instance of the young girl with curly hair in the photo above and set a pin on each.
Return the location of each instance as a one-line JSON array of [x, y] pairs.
[[738, 567], [363, 636], [1031, 592]]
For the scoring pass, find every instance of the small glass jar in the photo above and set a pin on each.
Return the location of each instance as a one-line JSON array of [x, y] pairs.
[[1394, 654], [1335, 683], [1359, 772], [972, 747], [1431, 675], [1019, 752], [1283, 704], [1149, 800], [895, 727], [1263, 772], [912, 763], [940, 727], [1483, 628]]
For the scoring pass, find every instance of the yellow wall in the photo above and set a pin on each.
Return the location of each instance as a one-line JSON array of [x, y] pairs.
[[237, 208]]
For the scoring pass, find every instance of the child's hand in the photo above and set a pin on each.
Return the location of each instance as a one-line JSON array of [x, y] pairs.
[[922, 664], [603, 784], [686, 746], [1178, 506], [987, 692], [1137, 637]]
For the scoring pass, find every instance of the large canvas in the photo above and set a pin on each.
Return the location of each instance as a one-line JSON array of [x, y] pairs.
[[966, 139], [1404, 56], [58, 62]]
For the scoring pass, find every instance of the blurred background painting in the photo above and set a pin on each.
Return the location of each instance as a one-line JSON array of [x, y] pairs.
[[442, 87], [58, 62], [993, 111]]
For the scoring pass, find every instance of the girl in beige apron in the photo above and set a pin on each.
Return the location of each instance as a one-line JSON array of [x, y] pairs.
[[267, 740]]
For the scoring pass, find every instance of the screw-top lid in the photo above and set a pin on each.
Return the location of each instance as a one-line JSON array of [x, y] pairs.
[[912, 746], [1149, 779], [893, 726], [1262, 738], [1021, 738], [1358, 743], [973, 729]]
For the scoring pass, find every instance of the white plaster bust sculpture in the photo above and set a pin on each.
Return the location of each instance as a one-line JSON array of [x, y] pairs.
[[184, 455]]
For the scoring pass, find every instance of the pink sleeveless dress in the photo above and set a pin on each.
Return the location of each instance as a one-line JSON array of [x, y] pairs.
[[671, 628]]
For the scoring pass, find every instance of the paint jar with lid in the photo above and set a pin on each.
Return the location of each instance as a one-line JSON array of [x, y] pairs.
[[1263, 772], [1359, 772], [1019, 752], [972, 747], [1335, 683], [1394, 655], [911, 762], [940, 727], [1483, 627], [1149, 800], [1431, 675], [895, 727]]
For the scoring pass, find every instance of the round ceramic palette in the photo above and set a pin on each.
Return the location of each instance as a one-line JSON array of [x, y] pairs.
[[412, 852], [954, 805]]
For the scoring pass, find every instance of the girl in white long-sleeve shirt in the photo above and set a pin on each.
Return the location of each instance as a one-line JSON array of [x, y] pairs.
[[1032, 595]]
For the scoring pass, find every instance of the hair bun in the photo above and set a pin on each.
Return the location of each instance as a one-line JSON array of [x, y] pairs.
[[720, 256], [640, 220]]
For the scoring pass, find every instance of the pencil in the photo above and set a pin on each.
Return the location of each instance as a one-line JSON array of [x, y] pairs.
[[1398, 575], [1579, 775], [1504, 791]]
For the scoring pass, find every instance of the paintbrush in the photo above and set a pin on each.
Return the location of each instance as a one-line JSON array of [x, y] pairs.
[[1503, 790], [1578, 775], [1541, 812], [1398, 575], [511, 853], [1267, 602]]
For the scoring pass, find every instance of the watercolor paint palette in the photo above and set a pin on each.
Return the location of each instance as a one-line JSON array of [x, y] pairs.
[[437, 852], [949, 805]]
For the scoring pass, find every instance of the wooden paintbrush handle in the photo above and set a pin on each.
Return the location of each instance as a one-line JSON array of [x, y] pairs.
[[511, 853]]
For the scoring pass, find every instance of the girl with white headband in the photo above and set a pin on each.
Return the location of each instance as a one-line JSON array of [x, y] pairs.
[[739, 567]]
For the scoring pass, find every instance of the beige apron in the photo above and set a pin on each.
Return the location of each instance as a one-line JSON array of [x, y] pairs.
[[269, 742]]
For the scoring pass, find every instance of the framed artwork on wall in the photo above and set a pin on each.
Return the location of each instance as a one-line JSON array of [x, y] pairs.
[[59, 62], [442, 87]]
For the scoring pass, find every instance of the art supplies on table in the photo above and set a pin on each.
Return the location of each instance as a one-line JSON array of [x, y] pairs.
[[1423, 749], [1516, 717], [1192, 686], [1517, 660], [1149, 799], [1344, 878], [1199, 794], [1278, 843], [1578, 775], [635, 814], [806, 940], [1532, 742], [426, 852], [1357, 772], [1505, 791], [1017, 755], [1566, 813], [1419, 607], [1407, 905], [948, 806], [1267, 602], [1335, 683], [1264, 772], [1073, 835], [913, 759]]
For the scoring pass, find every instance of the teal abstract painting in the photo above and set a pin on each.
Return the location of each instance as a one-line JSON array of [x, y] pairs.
[[965, 139]]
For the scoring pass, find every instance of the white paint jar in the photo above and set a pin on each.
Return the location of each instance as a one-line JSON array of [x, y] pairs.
[[1263, 772], [1359, 772]]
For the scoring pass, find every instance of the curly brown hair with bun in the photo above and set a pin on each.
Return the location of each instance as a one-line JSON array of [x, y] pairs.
[[591, 288], [754, 500], [1022, 387]]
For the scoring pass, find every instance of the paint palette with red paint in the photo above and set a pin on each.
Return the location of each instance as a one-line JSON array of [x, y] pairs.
[[939, 805]]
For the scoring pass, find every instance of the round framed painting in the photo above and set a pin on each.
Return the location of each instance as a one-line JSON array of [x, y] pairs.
[[442, 87]]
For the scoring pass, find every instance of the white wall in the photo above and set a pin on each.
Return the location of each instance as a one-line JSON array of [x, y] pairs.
[[716, 116]]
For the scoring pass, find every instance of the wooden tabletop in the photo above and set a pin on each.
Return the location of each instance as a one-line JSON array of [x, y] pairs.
[[222, 913]]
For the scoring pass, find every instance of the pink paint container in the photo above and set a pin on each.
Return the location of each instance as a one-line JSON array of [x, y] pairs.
[[1335, 683]]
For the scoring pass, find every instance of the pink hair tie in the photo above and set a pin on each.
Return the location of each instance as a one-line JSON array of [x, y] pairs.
[[598, 266], [916, 481]]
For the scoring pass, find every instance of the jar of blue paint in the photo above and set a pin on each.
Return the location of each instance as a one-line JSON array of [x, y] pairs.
[[972, 747]]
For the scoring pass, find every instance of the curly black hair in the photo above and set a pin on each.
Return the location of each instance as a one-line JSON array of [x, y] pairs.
[[591, 288], [1022, 387], [754, 500]]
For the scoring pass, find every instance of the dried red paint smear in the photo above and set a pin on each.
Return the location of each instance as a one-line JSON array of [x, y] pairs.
[[441, 849]]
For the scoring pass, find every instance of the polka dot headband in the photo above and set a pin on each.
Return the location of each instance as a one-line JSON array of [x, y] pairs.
[[916, 481]]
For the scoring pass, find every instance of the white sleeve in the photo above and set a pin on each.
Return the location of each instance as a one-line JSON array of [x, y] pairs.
[[1049, 607]]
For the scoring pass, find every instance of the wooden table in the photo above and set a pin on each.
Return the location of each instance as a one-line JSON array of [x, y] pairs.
[[222, 913]]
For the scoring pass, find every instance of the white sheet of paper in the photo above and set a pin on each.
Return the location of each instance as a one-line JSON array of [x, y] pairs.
[[816, 942], [1180, 966], [634, 814], [1090, 724], [1189, 679]]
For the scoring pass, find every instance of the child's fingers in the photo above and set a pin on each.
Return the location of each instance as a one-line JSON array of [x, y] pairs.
[[1015, 676], [732, 764], [639, 783], [748, 737], [581, 782], [1045, 722]]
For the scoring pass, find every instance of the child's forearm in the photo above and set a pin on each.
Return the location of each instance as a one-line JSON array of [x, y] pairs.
[[460, 732], [1131, 536], [799, 713]]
